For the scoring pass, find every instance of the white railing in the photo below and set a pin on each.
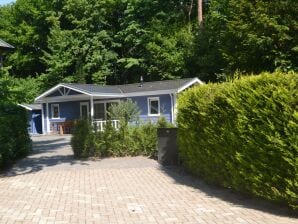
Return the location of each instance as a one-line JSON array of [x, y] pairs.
[[100, 124]]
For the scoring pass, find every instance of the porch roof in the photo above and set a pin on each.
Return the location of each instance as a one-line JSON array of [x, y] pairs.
[[31, 106]]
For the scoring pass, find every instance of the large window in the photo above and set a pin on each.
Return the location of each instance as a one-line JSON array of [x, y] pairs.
[[153, 106], [101, 110], [55, 111]]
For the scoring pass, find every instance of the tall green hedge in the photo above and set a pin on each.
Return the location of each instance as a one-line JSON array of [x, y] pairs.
[[243, 134], [15, 142]]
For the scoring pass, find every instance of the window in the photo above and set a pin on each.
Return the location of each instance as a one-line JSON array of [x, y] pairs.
[[153, 106], [101, 109], [55, 111]]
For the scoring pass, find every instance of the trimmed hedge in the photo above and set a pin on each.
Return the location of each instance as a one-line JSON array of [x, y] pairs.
[[129, 140], [15, 141], [243, 134]]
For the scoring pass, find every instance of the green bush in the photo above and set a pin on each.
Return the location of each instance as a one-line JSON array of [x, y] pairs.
[[129, 140], [243, 134], [15, 142], [82, 140], [143, 140]]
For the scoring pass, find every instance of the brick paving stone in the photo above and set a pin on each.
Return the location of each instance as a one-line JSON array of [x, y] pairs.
[[50, 186]]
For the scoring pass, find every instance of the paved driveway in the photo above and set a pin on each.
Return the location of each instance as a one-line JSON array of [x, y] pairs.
[[51, 187]]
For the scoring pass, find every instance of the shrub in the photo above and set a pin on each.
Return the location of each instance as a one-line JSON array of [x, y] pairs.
[[15, 141], [243, 134], [82, 140], [129, 140], [163, 123], [143, 140]]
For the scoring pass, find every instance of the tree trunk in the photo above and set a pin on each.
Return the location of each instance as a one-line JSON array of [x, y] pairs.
[[189, 15], [200, 12]]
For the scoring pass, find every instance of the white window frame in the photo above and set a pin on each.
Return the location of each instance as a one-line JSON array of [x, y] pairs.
[[88, 109], [52, 110], [149, 99], [105, 105]]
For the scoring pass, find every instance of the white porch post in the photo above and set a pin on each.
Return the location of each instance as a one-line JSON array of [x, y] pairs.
[[42, 120], [175, 107], [91, 108], [47, 118], [172, 108]]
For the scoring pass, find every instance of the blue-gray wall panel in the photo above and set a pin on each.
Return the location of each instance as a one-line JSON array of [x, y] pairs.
[[68, 110], [165, 107]]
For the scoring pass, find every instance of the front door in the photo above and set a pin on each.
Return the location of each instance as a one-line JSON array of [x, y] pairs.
[[84, 110]]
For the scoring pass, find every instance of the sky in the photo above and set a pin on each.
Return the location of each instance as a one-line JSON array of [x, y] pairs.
[[3, 2]]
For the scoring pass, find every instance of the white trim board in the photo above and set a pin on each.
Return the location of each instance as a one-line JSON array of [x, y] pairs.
[[57, 87], [24, 106], [195, 80]]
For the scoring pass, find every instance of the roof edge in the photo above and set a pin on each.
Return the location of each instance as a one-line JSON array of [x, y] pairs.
[[8, 46], [190, 83], [155, 92], [57, 87], [24, 106]]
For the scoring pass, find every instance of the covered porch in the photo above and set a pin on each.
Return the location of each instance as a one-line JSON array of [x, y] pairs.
[[62, 105], [62, 115]]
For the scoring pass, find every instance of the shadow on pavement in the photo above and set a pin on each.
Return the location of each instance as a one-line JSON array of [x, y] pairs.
[[45, 154], [237, 199]]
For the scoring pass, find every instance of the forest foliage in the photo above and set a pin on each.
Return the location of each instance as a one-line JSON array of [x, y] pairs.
[[117, 41]]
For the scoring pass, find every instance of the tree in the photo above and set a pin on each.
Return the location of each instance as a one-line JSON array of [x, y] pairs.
[[86, 55], [252, 36], [127, 111], [24, 25]]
